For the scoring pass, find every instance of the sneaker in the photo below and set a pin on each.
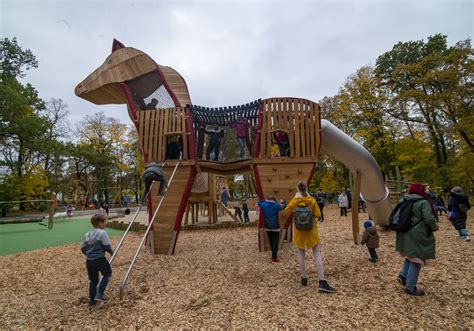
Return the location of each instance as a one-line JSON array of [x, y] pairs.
[[401, 280], [415, 292], [102, 298], [304, 281], [467, 238], [325, 287], [92, 303], [373, 260], [275, 261]]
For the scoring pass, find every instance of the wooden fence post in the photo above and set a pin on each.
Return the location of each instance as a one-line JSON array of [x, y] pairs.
[[355, 208], [51, 211]]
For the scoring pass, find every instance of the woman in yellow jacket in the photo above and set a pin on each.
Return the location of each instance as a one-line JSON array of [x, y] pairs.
[[308, 239]]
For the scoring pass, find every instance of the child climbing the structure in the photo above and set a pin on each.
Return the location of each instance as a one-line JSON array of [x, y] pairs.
[[154, 172]]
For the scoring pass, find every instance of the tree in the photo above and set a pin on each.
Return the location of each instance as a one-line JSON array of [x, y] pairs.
[[22, 130]]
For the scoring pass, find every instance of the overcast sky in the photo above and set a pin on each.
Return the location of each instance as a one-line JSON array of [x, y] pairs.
[[229, 53]]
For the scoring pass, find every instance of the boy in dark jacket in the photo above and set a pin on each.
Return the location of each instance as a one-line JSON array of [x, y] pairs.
[[96, 243], [371, 238], [245, 209], [270, 209], [458, 205], [154, 172]]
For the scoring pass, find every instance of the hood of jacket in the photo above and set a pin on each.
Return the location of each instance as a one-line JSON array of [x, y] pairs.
[[372, 230], [413, 197], [460, 197]]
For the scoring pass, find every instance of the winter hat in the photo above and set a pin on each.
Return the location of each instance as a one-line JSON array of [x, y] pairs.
[[368, 224], [152, 164], [456, 189]]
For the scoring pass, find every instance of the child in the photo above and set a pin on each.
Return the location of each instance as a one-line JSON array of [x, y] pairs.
[[275, 150], [270, 209], [238, 212], [245, 208], [371, 238], [96, 243]]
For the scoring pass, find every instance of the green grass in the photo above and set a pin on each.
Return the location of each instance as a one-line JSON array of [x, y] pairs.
[[16, 238]]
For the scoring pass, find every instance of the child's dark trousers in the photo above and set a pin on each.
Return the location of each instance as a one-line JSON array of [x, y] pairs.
[[93, 268]]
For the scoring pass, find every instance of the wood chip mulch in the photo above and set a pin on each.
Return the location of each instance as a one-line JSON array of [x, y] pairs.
[[218, 279]]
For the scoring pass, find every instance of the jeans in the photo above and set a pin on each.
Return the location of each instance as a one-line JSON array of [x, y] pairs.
[[246, 216], [149, 178], [273, 237], [241, 141], [463, 233], [410, 272], [283, 148], [93, 268]]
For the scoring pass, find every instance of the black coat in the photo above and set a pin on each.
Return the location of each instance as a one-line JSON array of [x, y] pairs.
[[454, 201]]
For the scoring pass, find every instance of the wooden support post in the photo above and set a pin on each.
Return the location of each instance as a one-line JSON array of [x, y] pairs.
[[186, 213], [51, 211], [355, 208]]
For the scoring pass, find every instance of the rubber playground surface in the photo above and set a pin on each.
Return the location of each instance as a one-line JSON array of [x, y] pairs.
[[24, 237]]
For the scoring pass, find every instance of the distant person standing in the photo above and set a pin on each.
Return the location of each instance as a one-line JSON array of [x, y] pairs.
[[224, 196], [152, 104], [320, 200], [215, 135], [241, 131], [458, 205], [343, 202], [282, 140], [245, 209]]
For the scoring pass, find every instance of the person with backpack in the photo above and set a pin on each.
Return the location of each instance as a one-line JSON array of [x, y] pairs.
[[416, 242], [305, 209], [270, 209], [458, 205]]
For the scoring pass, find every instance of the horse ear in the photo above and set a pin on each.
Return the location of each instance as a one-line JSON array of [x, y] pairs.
[[116, 45]]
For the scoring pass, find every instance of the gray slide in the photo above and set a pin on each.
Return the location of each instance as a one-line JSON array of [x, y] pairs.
[[354, 156]]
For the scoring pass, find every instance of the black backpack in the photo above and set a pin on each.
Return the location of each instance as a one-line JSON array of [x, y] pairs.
[[303, 218], [400, 217]]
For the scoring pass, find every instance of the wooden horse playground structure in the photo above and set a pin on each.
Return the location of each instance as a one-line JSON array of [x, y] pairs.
[[129, 76]]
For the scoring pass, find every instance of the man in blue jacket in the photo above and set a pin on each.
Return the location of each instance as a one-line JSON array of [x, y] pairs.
[[270, 210]]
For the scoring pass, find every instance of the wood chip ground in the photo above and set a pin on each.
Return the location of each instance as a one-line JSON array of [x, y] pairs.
[[218, 279]]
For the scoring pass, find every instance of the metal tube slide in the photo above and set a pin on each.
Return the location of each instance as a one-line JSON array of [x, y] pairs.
[[354, 156]]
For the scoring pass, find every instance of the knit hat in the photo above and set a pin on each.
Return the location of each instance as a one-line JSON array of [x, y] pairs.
[[152, 164], [456, 189], [368, 224]]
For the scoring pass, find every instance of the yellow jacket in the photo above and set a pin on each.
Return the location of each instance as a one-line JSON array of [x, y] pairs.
[[310, 238]]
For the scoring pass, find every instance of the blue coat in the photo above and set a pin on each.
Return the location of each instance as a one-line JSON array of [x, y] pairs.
[[270, 210]]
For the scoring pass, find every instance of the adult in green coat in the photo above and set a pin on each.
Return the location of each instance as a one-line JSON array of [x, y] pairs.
[[417, 245]]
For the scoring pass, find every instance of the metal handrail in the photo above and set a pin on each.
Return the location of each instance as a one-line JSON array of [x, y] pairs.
[[140, 205], [124, 281]]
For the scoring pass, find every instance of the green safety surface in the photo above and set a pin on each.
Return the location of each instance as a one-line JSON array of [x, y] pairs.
[[16, 238]]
